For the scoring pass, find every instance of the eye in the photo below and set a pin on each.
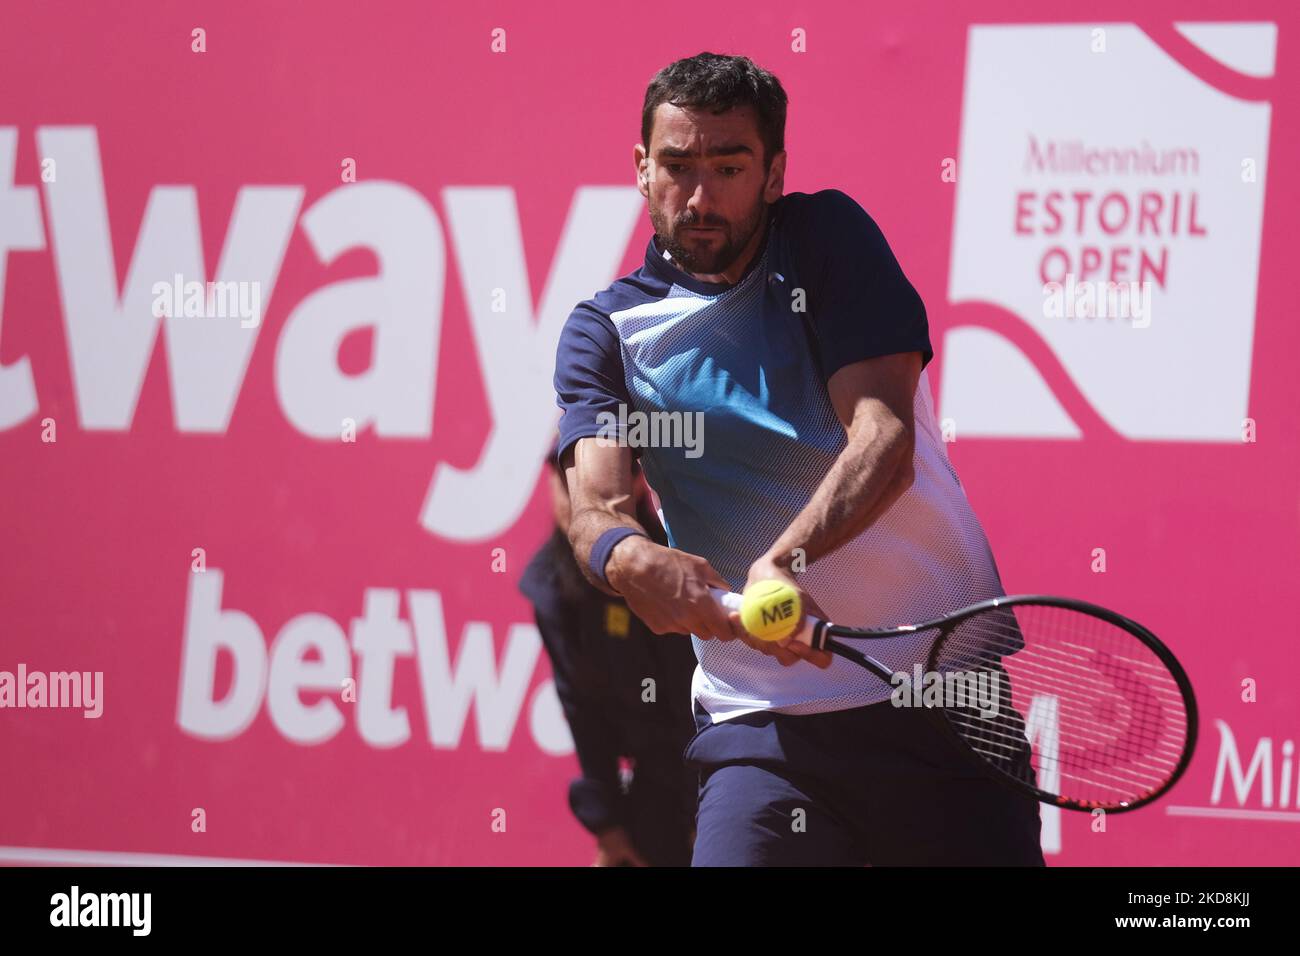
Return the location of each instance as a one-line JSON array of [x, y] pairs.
[[731, 171], [674, 168]]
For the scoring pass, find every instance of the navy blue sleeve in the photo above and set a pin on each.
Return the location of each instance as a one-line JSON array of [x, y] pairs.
[[588, 375], [862, 305]]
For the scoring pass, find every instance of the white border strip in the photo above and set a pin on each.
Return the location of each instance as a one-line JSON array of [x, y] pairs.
[[58, 857], [1288, 816]]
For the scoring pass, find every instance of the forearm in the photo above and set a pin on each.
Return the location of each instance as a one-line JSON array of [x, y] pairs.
[[870, 474], [585, 529], [666, 588], [595, 797], [578, 685]]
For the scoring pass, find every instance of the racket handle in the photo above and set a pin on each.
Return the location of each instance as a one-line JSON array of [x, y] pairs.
[[728, 599], [731, 602]]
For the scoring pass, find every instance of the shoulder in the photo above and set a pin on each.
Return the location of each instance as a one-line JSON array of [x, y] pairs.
[[862, 304], [588, 337], [826, 220], [822, 202]]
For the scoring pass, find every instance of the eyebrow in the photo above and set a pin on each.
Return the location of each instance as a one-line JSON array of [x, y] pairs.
[[726, 149]]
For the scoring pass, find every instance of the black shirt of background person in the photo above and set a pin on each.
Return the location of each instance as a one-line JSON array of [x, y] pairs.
[[602, 656]]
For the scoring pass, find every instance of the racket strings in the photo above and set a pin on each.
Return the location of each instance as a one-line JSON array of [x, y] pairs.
[[1100, 750], [1064, 701], [1105, 748], [1062, 682]]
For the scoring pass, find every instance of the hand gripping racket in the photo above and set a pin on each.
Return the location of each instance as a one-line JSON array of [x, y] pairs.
[[1066, 701]]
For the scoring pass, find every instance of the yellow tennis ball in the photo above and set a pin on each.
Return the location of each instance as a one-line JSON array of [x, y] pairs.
[[770, 610]]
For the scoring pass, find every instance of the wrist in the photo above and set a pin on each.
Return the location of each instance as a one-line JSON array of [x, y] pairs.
[[602, 552], [625, 560]]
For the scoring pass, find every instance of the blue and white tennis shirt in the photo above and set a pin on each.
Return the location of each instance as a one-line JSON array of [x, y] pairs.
[[754, 358]]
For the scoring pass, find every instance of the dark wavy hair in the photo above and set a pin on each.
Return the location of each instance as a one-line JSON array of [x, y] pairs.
[[710, 81]]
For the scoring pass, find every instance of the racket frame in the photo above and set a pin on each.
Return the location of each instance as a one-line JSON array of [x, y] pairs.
[[823, 636]]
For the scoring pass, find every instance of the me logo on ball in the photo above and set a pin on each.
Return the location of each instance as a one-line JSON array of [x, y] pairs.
[[781, 612], [771, 610]]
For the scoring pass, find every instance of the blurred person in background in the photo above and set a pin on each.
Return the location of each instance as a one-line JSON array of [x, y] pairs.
[[604, 658]]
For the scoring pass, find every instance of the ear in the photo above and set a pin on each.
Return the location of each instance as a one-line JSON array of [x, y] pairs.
[[642, 163]]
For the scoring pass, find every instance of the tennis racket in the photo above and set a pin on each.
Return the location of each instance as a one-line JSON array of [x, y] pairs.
[[1071, 703]]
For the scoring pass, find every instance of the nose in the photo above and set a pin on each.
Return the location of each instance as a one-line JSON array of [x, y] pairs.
[[700, 204]]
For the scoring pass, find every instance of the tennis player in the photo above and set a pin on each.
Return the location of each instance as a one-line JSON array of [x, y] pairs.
[[767, 365]]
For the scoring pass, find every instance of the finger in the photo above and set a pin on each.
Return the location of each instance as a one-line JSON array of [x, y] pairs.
[[707, 619], [772, 649], [730, 634], [654, 618], [798, 648], [711, 576], [707, 629], [714, 617], [821, 659], [785, 657]]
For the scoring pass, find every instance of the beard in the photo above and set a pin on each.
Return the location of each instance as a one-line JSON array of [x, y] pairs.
[[711, 255]]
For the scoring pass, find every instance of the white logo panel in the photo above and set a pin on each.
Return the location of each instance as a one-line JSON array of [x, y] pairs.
[[1091, 159]]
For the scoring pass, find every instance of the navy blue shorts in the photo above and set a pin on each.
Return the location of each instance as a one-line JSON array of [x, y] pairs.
[[870, 786]]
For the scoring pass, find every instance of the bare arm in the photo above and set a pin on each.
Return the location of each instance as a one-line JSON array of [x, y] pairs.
[[666, 588], [873, 400], [599, 480]]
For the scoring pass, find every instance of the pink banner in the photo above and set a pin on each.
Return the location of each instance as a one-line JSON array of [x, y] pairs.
[[222, 504]]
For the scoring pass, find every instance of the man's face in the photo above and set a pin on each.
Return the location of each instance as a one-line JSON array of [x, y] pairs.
[[704, 181]]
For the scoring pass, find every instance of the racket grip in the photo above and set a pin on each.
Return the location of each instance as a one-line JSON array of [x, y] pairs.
[[806, 634], [728, 599]]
